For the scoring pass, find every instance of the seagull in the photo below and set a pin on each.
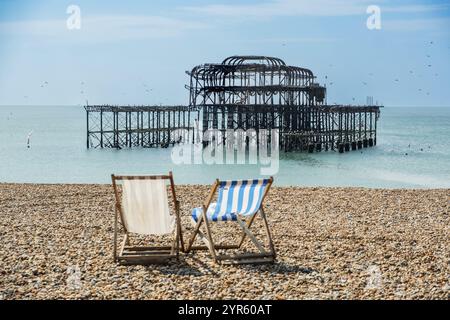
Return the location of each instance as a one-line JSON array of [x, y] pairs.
[[429, 65], [397, 80], [29, 138]]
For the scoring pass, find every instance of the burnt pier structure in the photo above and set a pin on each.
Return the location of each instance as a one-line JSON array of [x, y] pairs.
[[245, 93]]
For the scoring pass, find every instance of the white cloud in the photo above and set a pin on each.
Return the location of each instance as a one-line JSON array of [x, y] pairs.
[[284, 8], [288, 40], [104, 28], [416, 8], [275, 8], [417, 24]]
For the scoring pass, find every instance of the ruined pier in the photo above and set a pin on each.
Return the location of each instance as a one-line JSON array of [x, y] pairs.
[[241, 93]]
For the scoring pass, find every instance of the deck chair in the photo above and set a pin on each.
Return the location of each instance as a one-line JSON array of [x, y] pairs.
[[144, 209], [239, 202]]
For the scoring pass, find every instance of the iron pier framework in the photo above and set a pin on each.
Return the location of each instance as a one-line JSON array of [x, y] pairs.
[[247, 93], [135, 126]]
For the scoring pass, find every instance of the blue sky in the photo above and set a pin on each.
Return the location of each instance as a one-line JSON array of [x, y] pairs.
[[137, 52]]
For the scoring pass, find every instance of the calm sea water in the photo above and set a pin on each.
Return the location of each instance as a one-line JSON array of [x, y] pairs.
[[58, 154]]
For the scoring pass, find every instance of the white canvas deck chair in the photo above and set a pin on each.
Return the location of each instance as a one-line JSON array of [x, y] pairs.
[[144, 209], [239, 202]]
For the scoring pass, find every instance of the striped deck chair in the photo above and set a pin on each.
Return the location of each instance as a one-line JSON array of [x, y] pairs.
[[144, 210], [239, 202]]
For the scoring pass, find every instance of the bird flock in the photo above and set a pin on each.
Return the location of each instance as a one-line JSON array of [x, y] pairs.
[[397, 80]]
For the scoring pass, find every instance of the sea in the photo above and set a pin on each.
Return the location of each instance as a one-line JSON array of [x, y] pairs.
[[412, 151]]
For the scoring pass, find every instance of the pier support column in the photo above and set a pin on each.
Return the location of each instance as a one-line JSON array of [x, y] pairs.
[[318, 147]]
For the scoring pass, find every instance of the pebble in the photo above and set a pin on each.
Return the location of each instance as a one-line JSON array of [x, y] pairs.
[[332, 243]]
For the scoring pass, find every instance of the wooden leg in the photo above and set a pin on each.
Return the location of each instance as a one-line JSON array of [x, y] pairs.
[[124, 242], [272, 247], [175, 245], [210, 240], [249, 224], [179, 230], [181, 236], [251, 236], [115, 235], [196, 229]]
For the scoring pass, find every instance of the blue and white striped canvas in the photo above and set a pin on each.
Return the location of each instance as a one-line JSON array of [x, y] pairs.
[[235, 197]]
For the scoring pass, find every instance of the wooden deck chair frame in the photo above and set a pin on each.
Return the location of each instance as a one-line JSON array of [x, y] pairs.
[[145, 254], [263, 256]]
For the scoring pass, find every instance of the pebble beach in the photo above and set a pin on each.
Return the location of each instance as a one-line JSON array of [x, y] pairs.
[[331, 243]]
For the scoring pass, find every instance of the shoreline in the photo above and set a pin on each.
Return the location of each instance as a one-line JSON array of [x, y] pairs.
[[208, 185], [332, 243]]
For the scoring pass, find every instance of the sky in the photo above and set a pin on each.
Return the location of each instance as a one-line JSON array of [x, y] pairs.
[[136, 52]]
